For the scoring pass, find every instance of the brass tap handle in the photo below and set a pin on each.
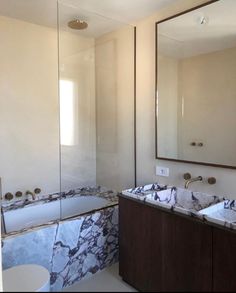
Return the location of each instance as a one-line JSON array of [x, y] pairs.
[[193, 143], [18, 194], [37, 190], [187, 176], [211, 180], [200, 144], [9, 196]]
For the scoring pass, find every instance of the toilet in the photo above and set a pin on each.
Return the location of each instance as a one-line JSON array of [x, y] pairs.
[[26, 278]]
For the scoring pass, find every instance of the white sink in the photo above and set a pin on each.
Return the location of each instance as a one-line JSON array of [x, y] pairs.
[[219, 214], [182, 200]]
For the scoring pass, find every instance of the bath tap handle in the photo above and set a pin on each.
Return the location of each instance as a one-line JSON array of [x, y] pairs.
[[37, 190], [9, 196], [187, 176], [211, 180], [18, 194]]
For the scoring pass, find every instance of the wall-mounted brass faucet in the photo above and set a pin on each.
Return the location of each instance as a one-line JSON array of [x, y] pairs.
[[33, 194], [187, 177], [28, 192]]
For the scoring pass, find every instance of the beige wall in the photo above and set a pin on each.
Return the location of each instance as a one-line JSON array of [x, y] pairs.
[[115, 109], [168, 85], [29, 128], [77, 65], [209, 87], [146, 161], [29, 108]]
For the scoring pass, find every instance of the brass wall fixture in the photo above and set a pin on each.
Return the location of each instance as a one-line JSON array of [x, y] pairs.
[[199, 144], [37, 190], [189, 179], [77, 24], [28, 192], [187, 176], [211, 180], [9, 196], [18, 194]]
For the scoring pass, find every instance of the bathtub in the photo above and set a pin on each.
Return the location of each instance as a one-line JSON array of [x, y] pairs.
[[41, 213]]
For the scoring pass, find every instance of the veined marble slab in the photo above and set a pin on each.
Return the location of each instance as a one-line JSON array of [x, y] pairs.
[[140, 193], [99, 191], [71, 249], [183, 200]]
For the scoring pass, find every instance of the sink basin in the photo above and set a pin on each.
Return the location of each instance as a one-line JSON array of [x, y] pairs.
[[220, 213], [183, 200], [142, 191]]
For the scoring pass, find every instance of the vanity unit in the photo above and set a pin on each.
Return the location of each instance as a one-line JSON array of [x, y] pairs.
[[176, 240]]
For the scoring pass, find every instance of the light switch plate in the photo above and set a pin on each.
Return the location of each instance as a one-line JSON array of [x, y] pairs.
[[162, 171]]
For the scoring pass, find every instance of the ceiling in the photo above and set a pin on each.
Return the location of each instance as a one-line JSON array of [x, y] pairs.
[[102, 15], [184, 36]]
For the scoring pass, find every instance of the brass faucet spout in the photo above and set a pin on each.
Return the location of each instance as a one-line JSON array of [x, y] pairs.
[[199, 178], [28, 192]]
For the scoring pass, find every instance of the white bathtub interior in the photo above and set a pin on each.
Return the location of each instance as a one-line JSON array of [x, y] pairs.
[[29, 216], [80, 205], [33, 215]]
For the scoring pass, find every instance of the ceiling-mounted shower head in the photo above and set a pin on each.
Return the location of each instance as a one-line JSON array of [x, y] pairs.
[[77, 24]]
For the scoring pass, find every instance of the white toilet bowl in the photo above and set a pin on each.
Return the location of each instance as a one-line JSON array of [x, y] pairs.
[[26, 278]]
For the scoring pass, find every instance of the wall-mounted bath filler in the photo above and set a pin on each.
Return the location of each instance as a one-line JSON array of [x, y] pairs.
[[187, 177], [9, 196], [77, 24], [28, 192]]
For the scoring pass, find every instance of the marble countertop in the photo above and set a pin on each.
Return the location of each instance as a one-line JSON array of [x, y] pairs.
[[212, 209]]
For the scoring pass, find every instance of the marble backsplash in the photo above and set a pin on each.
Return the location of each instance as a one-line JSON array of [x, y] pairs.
[[71, 250]]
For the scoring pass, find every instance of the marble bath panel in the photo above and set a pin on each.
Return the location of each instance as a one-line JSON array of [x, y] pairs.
[[84, 246], [33, 247], [71, 249]]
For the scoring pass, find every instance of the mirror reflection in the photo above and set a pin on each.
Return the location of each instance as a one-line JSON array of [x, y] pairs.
[[196, 88]]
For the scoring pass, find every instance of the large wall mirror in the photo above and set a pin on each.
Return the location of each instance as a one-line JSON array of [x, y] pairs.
[[196, 85]]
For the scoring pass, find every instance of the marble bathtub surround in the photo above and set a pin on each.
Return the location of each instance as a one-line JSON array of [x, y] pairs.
[[103, 192], [109, 195], [71, 250], [207, 208]]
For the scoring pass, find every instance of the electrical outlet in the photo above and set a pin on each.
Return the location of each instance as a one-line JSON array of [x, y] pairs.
[[162, 171]]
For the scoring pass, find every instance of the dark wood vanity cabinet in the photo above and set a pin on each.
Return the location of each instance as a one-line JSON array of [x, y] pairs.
[[224, 261], [135, 245], [160, 251], [186, 255]]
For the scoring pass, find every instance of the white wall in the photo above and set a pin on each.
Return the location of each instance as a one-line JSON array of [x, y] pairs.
[[146, 161]]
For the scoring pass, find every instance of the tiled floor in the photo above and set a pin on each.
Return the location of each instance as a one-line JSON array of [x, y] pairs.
[[107, 280]]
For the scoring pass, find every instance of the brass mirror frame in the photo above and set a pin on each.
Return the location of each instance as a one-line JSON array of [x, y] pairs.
[[156, 88]]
